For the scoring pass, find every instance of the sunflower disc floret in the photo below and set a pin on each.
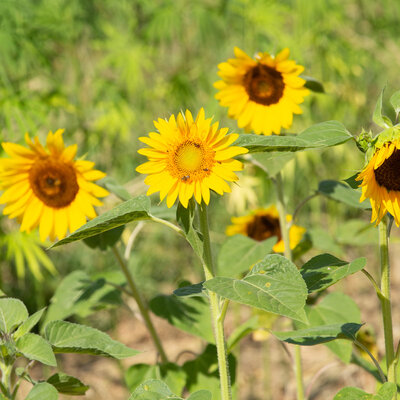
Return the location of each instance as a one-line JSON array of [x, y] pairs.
[[262, 94], [262, 224], [47, 187], [189, 158]]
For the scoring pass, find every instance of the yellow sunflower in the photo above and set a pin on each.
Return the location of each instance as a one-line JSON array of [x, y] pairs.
[[381, 180], [264, 223], [188, 158], [46, 187], [262, 94]]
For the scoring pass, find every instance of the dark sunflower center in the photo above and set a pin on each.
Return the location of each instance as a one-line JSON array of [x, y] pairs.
[[388, 174], [54, 182], [264, 85], [263, 227]]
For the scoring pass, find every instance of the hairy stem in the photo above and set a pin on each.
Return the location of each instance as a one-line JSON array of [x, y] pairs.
[[385, 300], [218, 322], [142, 306]]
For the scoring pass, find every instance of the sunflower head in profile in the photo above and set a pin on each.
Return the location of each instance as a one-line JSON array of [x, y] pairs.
[[261, 94], [189, 158], [381, 178], [47, 187], [264, 223]]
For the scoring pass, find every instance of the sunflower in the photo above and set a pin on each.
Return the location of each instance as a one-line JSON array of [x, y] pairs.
[[381, 179], [264, 223], [262, 94], [188, 158], [46, 187]]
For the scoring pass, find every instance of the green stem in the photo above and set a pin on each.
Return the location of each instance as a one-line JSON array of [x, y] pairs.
[[142, 306], [218, 322], [6, 370], [168, 224], [385, 300], [280, 204]]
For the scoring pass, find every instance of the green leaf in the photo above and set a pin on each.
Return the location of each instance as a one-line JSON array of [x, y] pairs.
[[196, 290], [172, 374], [78, 294], [153, 389], [42, 391], [185, 217], [66, 337], [322, 240], [319, 334], [240, 252], [28, 324], [386, 392], [200, 395], [325, 270], [343, 193], [12, 313], [274, 161], [313, 84], [319, 136], [106, 239], [68, 384], [335, 308], [34, 347], [274, 285], [356, 233], [114, 187], [395, 101], [190, 314], [132, 210], [378, 117]]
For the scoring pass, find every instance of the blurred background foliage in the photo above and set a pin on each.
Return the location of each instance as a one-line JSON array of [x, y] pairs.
[[105, 69]]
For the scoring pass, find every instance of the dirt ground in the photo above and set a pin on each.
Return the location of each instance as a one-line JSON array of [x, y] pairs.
[[265, 370]]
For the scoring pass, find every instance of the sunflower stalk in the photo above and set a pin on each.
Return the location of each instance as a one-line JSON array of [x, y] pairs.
[[142, 306], [280, 203], [385, 300], [216, 312]]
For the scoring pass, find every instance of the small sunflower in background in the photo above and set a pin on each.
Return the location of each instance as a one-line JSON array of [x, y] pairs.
[[189, 158], [47, 187], [264, 223], [261, 94], [381, 178]]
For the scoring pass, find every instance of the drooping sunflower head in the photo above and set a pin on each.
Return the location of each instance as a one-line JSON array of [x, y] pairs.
[[262, 94], [47, 187], [381, 178], [264, 223], [189, 157]]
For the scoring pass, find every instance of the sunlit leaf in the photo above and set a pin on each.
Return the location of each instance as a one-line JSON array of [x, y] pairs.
[[319, 136], [66, 337], [274, 285], [42, 391], [386, 392], [36, 348], [135, 209], [12, 313], [155, 390], [28, 324]]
